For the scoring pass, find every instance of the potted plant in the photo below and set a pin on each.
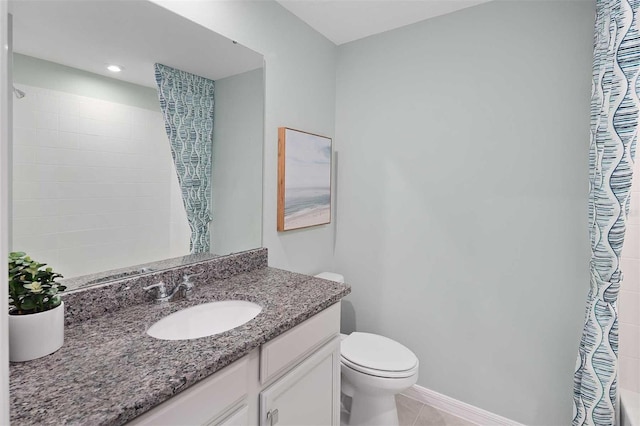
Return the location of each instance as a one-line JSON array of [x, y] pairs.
[[36, 312]]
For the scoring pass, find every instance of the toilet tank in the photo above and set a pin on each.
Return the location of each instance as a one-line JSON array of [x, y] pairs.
[[331, 276]]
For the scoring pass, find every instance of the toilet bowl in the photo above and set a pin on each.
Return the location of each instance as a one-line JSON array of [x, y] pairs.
[[373, 369]]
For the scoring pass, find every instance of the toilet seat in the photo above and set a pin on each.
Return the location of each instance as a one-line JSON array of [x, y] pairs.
[[379, 373], [378, 356]]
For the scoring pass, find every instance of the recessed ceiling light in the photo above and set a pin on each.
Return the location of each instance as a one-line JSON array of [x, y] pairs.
[[114, 68]]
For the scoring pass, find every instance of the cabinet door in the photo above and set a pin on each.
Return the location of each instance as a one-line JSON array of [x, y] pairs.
[[204, 401], [307, 395]]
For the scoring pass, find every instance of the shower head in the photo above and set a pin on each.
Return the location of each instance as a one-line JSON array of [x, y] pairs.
[[19, 93]]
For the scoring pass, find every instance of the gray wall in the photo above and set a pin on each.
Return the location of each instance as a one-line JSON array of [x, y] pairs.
[[462, 219], [300, 92], [40, 73], [237, 162]]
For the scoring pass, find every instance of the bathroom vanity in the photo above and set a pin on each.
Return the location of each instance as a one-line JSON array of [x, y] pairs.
[[293, 378], [282, 367]]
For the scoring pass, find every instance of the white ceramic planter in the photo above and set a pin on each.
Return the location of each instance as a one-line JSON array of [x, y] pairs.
[[36, 335]]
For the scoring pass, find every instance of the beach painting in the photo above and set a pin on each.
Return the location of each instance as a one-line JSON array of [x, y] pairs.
[[304, 179]]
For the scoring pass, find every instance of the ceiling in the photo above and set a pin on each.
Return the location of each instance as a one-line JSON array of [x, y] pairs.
[[342, 21], [90, 34]]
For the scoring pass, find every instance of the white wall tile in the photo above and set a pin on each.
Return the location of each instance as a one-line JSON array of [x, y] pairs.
[[629, 373], [47, 101], [138, 131], [83, 206], [91, 108], [24, 154], [90, 142], [631, 248], [69, 123], [94, 175], [84, 238], [629, 307], [25, 109], [40, 243], [70, 106], [118, 130], [46, 120], [23, 117], [24, 136], [46, 137], [23, 190], [180, 236], [84, 222], [92, 126], [67, 190], [68, 140], [634, 207], [34, 226], [631, 271], [29, 173], [34, 208], [630, 340]]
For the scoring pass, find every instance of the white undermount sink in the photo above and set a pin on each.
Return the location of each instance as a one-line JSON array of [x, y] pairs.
[[204, 320]]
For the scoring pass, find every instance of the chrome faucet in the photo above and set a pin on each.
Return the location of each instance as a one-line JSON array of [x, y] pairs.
[[184, 289]]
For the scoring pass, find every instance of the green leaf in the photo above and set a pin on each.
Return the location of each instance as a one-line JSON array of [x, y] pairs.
[[24, 273], [28, 304]]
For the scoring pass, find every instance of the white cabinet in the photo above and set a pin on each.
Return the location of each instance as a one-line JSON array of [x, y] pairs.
[[240, 417], [280, 354], [297, 374], [204, 402], [307, 395]]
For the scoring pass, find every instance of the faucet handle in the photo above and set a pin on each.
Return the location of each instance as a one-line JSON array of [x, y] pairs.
[[160, 289], [186, 279]]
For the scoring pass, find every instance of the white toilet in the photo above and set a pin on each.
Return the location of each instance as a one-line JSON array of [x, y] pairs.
[[374, 369]]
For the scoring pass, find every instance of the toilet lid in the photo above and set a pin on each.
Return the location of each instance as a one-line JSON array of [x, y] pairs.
[[375, 352], [378, 373]]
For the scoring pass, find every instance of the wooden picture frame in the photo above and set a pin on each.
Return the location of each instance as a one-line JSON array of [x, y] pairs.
[[304, 179]]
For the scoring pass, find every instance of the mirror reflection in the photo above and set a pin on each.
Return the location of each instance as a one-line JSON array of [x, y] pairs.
[[96, 190]]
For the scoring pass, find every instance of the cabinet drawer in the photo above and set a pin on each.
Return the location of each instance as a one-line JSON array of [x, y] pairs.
[[240, 417], [204, 401], [277, 355]]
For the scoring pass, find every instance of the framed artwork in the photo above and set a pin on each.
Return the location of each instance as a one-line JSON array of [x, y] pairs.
[[304, 179]]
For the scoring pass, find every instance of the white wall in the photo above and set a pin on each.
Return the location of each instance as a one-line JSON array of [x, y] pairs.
[[629, 299], [463, 177], [92, 180], [299, 93], [236, 185]]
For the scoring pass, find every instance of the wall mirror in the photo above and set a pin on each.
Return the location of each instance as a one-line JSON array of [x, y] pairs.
[[95, 193]]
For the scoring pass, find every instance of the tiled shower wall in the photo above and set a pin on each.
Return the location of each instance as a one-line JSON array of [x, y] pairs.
[[93, 184], [629, 299]]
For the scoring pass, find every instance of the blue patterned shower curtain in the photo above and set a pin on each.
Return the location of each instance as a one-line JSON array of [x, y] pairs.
[[186, 101], [614, 132]]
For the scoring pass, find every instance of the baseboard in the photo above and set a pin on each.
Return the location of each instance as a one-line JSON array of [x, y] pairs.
[[460, 409]]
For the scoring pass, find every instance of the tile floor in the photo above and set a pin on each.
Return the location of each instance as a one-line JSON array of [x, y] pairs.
[[415, 413]]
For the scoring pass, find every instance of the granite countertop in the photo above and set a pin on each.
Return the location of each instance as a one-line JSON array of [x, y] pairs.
[[110, 371]]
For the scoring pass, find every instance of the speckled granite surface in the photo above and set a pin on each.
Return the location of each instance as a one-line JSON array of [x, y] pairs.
[[110, 371], [79, 282], [103, 299]]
